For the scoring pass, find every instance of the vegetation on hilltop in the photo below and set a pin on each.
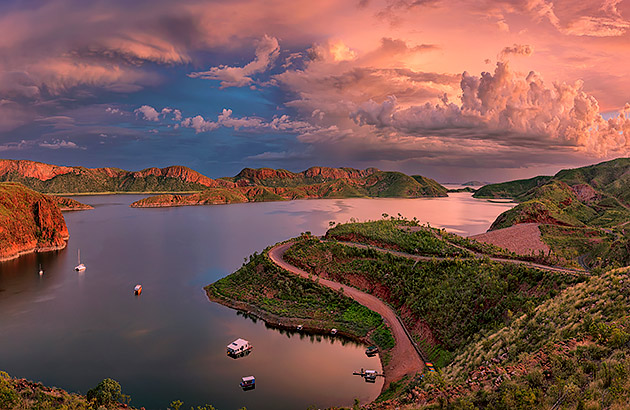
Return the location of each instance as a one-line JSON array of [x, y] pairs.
[[397, 234]]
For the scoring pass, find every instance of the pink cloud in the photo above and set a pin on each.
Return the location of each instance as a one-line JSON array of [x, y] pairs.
[[510, 109], [267, 51], [148, 113]]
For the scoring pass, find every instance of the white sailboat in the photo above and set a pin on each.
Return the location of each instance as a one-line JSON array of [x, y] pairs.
[[41, 271], [80, 267]]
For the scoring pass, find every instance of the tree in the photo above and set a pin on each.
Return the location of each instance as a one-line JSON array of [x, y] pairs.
[[175, 404], [106, 393]]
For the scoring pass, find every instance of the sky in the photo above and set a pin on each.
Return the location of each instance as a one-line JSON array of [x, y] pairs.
[[455, 90]]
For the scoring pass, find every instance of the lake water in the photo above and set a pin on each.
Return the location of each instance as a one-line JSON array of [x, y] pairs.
[[72, 330]]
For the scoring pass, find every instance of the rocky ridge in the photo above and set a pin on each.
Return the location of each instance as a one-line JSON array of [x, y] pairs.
[[29, 222]]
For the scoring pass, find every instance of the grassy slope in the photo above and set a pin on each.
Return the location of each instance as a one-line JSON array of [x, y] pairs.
[[510, 189], [571, 351], [455, 298]]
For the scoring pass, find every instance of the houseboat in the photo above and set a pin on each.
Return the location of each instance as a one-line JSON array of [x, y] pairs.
[[238, 347], [370, 376], [248, 383]]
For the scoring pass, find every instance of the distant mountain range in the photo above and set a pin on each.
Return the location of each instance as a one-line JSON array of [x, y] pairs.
[[250, 185], [266, 184], [48, 178]]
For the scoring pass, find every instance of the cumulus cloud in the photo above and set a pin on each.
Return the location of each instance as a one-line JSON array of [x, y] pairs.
[[267, 51], [148, 113], [509, 109], [199, 124]]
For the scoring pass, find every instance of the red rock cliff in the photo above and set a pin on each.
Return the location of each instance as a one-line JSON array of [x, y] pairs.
[[29, 222]]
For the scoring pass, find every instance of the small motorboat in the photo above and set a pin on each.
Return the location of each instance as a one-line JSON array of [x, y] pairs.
[[80, 267], [300, 327], [248, 383], [137, 289], [333, 331]]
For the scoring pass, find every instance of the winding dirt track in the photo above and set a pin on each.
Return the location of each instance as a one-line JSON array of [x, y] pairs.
[[404, 357], [477, 255]]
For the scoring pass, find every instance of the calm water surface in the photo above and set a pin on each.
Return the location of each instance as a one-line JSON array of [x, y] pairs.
[[72, 329]]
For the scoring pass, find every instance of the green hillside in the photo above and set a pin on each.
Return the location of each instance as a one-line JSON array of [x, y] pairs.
[[511, 189]]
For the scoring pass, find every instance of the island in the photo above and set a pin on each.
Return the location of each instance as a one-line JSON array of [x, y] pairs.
[[266, 184]]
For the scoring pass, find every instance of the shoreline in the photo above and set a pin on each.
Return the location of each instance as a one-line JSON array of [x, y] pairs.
[[310, 326], [35, 250], [175, 205]]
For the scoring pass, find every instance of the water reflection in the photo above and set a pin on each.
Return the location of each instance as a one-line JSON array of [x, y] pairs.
[[73, 329]]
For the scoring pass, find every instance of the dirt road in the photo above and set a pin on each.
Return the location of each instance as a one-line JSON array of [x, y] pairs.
[[404, 357]]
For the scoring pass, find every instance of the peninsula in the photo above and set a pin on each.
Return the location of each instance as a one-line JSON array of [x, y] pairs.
[[480, 319]]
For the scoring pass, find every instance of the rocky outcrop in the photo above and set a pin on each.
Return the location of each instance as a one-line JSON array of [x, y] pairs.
[[178, 172], [29, 222], [31, 169]]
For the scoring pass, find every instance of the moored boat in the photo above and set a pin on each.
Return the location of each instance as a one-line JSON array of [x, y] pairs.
[[248, 383], [239, 347], [371, 351], [80, 267]]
